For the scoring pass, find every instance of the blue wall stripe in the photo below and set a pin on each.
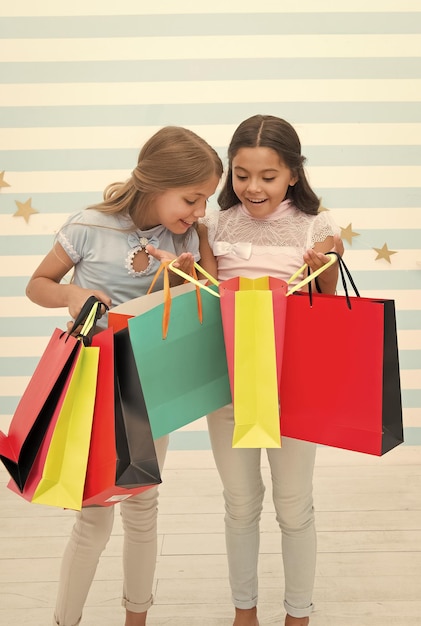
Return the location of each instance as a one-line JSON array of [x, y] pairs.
[[18, 366], [208, 113], [404, 239], [70, 202], [387, 198], [362, 155], [408, 320], [344, 198], [134, 71], [14, 286], [44, 326], [410, 359], [25, 366], [107, 158], [411, 398], [209, 24], [190, 440], [199, 440], [412, 436], [25, 245], [32, 326]]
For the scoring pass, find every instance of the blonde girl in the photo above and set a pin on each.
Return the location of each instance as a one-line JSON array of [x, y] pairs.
[[114, 249]]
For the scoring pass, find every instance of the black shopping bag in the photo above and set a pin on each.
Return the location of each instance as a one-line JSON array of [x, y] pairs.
[[136, 457]]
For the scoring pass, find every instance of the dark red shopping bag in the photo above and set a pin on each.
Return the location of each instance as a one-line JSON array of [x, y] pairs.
[[352, 401], [122, 460], [100, 471]]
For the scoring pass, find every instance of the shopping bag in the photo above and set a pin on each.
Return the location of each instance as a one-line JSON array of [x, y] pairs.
[[184, 375], [63, 476], [118, 316], [29, 424], [107, 479], [137, 463], [355, 402], [101, 466], [100, 483], [253, 318], [100, 470], [35, 472]]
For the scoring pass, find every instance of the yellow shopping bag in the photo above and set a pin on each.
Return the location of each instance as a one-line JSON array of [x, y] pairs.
[[63, 477], [253, 315]]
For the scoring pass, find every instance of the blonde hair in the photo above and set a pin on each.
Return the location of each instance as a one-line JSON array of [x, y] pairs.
[[173, 157]]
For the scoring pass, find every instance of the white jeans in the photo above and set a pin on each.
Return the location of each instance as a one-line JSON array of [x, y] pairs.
[[291, 469], [88, 539]]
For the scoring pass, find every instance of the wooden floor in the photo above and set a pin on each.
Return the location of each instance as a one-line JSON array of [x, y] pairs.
[[369, 548]]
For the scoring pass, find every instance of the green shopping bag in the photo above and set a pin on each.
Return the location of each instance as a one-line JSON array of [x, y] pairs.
[[185, 375]]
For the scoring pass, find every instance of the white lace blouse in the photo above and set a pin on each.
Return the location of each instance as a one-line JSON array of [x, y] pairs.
[[273, 246]]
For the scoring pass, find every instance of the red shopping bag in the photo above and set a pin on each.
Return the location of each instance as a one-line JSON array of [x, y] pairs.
[[355, 402], [35, 473], [100, 471], [19, 448]]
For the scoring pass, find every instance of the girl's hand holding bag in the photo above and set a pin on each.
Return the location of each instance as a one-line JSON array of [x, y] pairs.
[[43, 397]]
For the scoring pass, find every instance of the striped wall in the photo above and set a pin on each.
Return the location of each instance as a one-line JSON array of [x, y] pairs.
[[83, 84]]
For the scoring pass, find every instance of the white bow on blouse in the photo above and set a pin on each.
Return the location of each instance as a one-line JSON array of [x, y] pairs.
[[241, 249]]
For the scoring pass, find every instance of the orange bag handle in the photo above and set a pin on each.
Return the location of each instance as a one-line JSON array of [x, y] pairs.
[[167, 295]]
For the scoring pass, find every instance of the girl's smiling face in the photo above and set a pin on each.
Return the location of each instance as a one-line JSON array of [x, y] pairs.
[[177, 209], [260, 180]]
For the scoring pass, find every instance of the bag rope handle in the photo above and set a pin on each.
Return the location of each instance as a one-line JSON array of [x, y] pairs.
[[87, 318], [167, 293], [344, 270], [310, 276], [214, 281], [335, 257], [194, 279]]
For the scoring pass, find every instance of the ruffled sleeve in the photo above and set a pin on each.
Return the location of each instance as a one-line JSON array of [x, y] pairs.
[[321, 227], [72, 236]]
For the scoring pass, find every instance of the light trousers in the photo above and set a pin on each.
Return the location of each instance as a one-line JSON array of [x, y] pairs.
[[291, 468], [88, 539]]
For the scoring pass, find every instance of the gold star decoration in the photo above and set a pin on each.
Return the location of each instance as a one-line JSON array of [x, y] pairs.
[[24, 209], [384, 253], [348, 234], [3, 183]]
